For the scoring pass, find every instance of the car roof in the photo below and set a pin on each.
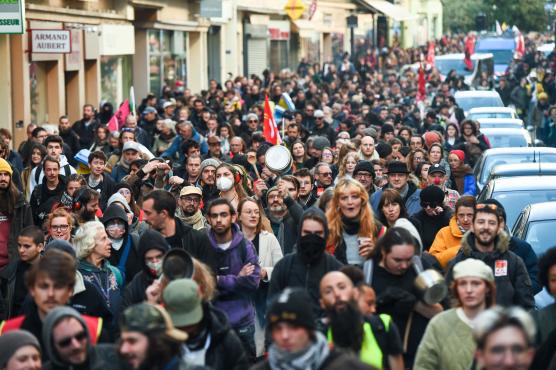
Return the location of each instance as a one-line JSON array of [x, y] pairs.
[[504, 184], [491, 110], [511, 131], [546, 47], [530, 168], [476, 94], [521, 150], [542, 211], [496, 43], [517, 121], [457, 56]]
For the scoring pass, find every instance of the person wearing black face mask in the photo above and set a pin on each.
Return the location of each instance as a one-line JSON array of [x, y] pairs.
[[309, 263]]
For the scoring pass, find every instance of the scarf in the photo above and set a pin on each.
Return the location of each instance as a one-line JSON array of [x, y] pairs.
[[310, 358], [190, 220], [277, 225], [459, 177], [351, 226]]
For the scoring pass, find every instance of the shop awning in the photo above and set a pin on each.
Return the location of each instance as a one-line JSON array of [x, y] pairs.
[[396, 12]]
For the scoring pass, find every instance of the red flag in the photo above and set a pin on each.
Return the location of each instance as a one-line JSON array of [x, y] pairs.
[[469, 50], [519, 46], [421, 92], [430, 54], [118, 119], [270, 129]]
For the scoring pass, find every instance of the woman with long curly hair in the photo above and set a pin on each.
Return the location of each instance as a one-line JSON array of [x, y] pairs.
[[230, 183], [353, 229], [347, 166]]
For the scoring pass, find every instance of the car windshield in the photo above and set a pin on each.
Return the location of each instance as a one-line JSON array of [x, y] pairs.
[[500, 56], [514, 201], [541, 235], [490, 115], [506, 141], [494, 160], [479, 101], [444, 66]]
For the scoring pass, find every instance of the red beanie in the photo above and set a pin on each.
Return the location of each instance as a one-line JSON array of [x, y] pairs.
[[431, 137], [459, 153]]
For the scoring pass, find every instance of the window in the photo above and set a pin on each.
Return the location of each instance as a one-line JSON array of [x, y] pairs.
[[167, 58]]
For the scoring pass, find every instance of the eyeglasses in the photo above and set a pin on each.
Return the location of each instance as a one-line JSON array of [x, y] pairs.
[[81, 336], [364, 175], [190, 199], [252, 120], [59, 227], [493, 207], [128, 129]]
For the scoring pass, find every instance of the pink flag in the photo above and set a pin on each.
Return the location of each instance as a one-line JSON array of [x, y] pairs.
[[118, 119], [430, 54]]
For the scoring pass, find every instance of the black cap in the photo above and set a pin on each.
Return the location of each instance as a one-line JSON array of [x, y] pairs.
[[432, 194], [177, 264], [364, 166], [292, 305], [437, 168]]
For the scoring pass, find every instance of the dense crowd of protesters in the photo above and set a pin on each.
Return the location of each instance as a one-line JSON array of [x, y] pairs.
[[173, 243]]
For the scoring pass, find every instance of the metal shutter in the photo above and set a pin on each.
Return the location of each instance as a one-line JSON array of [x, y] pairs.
[[257, 60]]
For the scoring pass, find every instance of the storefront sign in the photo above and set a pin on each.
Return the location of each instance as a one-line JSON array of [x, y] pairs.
[[279, 30], [211, 8], [51, 41], [12, 16]]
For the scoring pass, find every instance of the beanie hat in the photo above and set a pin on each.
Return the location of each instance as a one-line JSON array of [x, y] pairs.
[[431, 137], [291, 306], [364, 166], [182, 301], [5, 167], [432, 194], [62, 245], [14, 340], [386, 128], [212, 162], [370, 131], [383, 149], [471, 267], [320, 142], [459, 153], [152, 239]]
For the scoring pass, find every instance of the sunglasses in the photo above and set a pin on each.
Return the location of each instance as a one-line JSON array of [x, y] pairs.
[[493, 207], [81, 336]]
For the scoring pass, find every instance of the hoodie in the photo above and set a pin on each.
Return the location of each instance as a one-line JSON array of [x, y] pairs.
[[125, 258], [100, 357], [513, 285], [135, 290], [292, 271], [234, 292], [65, 167]]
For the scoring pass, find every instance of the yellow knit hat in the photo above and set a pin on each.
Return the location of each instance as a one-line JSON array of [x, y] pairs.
[[5, 167]]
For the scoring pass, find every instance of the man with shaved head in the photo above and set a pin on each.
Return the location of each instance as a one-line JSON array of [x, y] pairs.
[[374, 338]]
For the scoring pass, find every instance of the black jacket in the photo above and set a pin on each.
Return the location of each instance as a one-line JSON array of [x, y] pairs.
[[106, 188], [527, 254], [8, 278], [21, 218], [290, 224], [428, 226], [43, 199], [513, 285], [194, 242], [72, 140], [86, 133]]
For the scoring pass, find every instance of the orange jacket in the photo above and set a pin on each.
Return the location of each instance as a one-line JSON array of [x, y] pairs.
[[446, 243]]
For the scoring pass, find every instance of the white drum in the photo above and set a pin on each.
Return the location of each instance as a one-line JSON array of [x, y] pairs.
[[278, 159]]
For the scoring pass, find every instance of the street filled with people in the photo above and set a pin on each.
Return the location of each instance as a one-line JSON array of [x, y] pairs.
[[323, 218]]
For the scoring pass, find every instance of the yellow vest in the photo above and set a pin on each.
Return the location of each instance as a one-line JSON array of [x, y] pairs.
[[370, 353]]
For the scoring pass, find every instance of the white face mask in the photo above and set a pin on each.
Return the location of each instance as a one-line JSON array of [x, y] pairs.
[[224, 184], [155, 267]]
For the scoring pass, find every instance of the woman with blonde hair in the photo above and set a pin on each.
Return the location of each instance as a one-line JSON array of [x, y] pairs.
[[353, 228], [347, 166]]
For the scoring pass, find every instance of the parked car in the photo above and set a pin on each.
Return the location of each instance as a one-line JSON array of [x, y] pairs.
[[522, 169], [492, 112], [515, 193], [467, 100], [502, 49], [500, 122], [536, 225], [507, 137], [493, 157]]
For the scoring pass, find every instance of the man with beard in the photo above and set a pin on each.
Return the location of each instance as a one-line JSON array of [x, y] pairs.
[[149, 340], [189, 208], [130, 152], [237, 271], [375, 339], [68, 346], [49, 192], [309, 263], [54, 148], [365, 174], [296, 344], [15, 214], [398, 179], [284, 214], [490, 244], [306, 197], [85, 128], [86, 205], [68, 135], [207, 180]]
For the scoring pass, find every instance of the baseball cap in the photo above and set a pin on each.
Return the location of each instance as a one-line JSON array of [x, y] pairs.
[[291, 306], [148, 110], [183, 303], [318, 113], [168, 104], [437, 168], [188, 190], [147, 318], [131, 145]]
